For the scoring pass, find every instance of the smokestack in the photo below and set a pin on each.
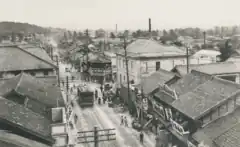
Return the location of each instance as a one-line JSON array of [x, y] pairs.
[[149, 25], [204, 38], [116, 28]]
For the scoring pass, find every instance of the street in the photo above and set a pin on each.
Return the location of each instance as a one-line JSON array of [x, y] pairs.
[[104, 118]]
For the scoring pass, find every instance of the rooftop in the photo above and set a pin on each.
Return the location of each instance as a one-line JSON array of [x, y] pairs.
[[212, 68], [38, 52], [204, 97], [152, 81], [25, 84], [13, 58], [151, 48], [24, 118], [8, 139], [218, 129], [182, 86]]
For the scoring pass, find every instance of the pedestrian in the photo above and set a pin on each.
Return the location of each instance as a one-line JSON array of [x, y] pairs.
[[99, 100], [126, 122], [96, 93], [141, 137], [122, 120], [101, 88], [63, 83]]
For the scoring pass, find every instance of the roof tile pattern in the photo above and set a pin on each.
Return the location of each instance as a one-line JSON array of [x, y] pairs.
[[24, 118], [14, 59], [205, 96], [31, 87]]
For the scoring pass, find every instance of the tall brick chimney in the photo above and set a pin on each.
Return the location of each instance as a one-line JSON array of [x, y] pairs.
[[149, 25]]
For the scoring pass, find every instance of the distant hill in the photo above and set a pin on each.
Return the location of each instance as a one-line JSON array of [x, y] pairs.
[[16, 27]]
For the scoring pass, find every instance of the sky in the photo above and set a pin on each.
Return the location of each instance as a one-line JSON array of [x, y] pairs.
[[127, 14]]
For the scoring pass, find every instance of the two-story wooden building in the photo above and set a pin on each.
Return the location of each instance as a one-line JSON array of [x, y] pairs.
[[193, 103], [29, 59]]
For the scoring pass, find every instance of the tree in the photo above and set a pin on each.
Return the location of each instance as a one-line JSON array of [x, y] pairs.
[[112, 35], [80, 34], [13, 37], [69, 34], [173, 35], [65, 37], [226, 50], [86, 33], [20, 36], [74, 35], [165, 33], [126, 33]]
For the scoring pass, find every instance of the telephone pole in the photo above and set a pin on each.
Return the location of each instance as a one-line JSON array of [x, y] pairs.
[[58, 71], [128, 86], [187, 48], [67, 86]]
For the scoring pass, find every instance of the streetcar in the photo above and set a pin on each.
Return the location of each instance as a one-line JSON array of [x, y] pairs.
[[85, 97]]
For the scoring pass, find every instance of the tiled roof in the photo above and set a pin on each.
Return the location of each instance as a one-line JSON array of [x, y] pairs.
[[230, 138], [24, 118], [8, 139], [152, 82], [189, 82], [164, 96], [212, 68], [99, 59], [33, 88], [206, 96], [210, 132], [14, 58], [148, 47], [38, 52]]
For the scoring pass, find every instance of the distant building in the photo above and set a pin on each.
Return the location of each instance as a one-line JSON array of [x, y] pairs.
[[145, 57], [204, 57], [225, 70]]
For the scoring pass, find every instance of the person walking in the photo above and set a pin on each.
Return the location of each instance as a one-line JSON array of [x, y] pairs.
[[141, 137], [126, 122], [122, 120], [96, 94]]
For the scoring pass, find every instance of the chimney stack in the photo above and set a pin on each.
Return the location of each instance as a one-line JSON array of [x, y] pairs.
[[116, 29], [149, 25]]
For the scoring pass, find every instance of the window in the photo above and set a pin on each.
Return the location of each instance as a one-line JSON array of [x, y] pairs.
[[124, 63], [45, 73], [120, 79], [124, 78], [131, 64], [157, 66], [1, 74]]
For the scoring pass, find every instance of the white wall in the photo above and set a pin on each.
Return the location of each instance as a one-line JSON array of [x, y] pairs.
[[60, 141], [59, 129], [139, 68]]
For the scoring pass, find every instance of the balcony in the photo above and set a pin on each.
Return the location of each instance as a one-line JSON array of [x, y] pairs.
[[100, 71]]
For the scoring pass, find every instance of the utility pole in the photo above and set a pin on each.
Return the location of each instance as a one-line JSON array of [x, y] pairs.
[[67, 86], [187, 60], [58, 71], [128, 86], [96, 136], [51, 52]]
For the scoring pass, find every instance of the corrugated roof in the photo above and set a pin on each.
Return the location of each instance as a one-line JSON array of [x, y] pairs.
[[151, 82], [212, 68], [24, 118], [37, 51], [210, 132], [27, 85], [151, 48], [14, 59], [204, 97]]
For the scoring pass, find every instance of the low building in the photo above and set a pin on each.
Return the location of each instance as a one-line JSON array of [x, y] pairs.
[[225, 70], [192, 103], [145, 57], [22, 121], [17, 59], [32, 93], [204, 57]]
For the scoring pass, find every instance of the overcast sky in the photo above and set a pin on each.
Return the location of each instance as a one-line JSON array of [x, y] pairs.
[[128, 14]]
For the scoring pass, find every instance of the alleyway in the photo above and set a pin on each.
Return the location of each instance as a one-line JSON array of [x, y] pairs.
[[104, 117]]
